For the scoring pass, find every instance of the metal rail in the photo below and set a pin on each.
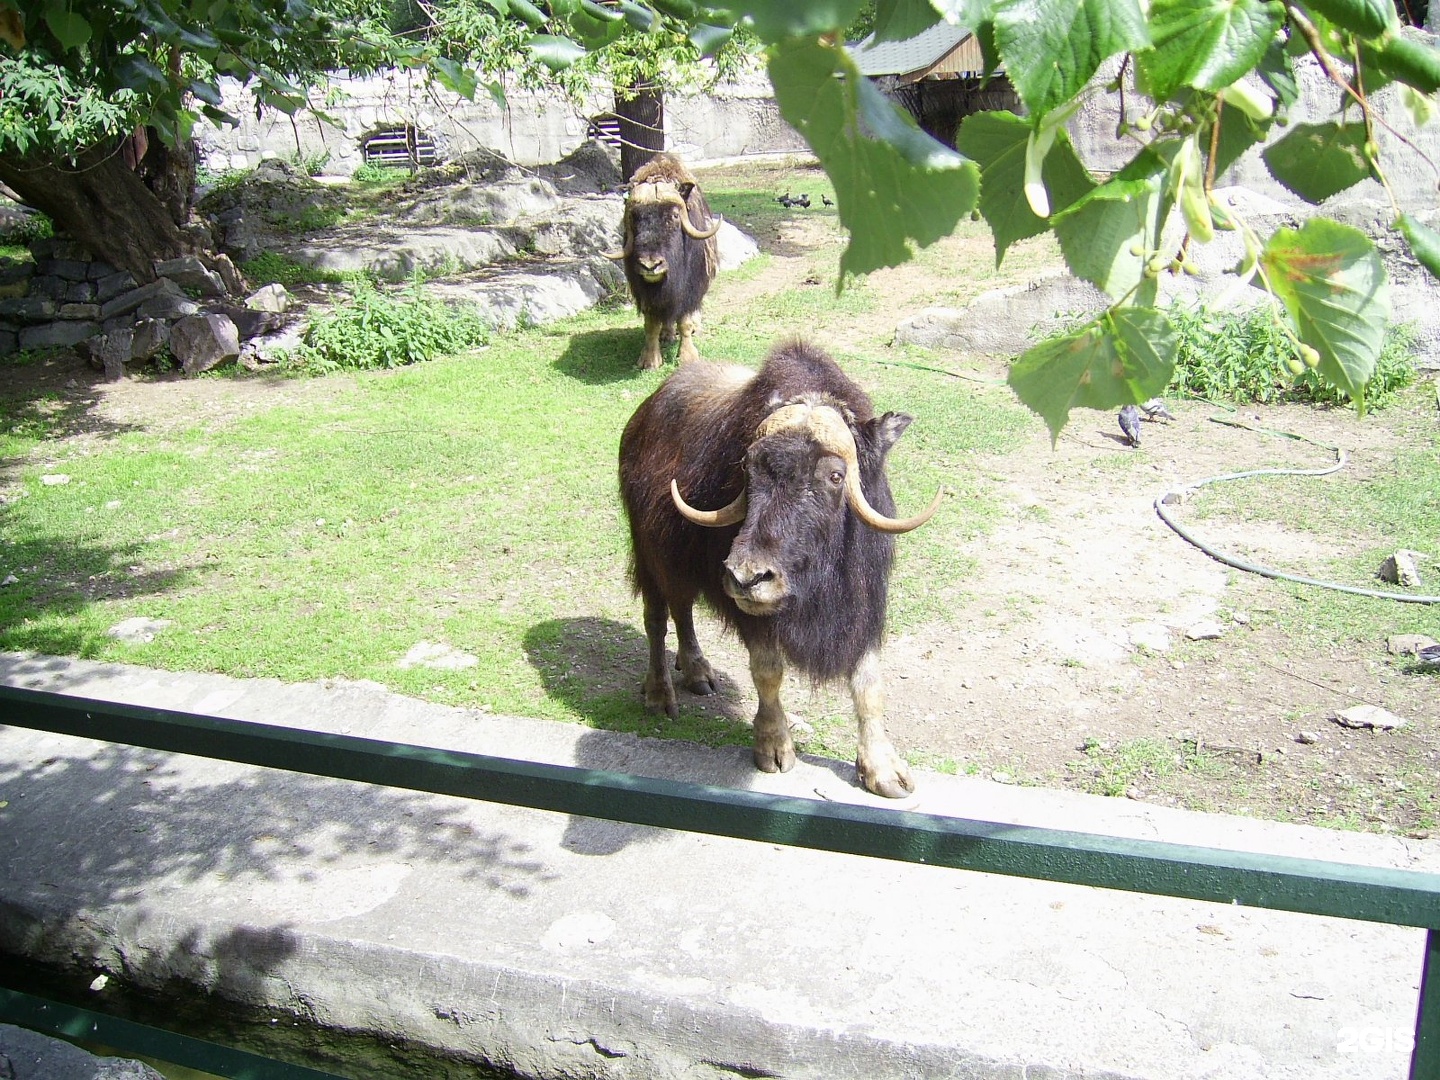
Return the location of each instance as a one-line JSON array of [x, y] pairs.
[[1283, 883]]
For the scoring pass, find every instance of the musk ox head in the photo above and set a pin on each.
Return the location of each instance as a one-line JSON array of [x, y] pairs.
[[656, 214], [802, 476]]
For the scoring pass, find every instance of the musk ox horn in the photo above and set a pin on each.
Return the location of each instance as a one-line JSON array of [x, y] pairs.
[[714, 519], [624, 252], [685, 222], [829, 429]]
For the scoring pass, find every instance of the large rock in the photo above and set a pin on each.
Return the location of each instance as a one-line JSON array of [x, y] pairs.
[[1003, 322], [27, 1055], [57, 335], [126, 302], [191, 275], [200, 342]]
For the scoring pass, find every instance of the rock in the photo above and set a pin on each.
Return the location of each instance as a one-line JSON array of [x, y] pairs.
[[137, 631], [274, 298], [32, 309], [1401, 568], [54, 479], [1369, 716], [1150, 635], [200, 342], [1206, 630], [115, 353], [150, 336], [1307, 738], [57, 335], [10, 579], [127, 302], [190, 273], [168, 307], [430, 655], [735, 248], [110, 286], [1407, 644], [1003, 322]]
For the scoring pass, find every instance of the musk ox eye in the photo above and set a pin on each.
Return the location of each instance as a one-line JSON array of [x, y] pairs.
[[837, 477]]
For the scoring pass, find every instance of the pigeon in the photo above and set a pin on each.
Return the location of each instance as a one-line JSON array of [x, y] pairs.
[[1130, 424], [827, 200], [802, 200], [1155, 409], [785, 200]]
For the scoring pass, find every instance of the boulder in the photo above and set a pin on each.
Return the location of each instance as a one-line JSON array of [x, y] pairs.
[[201, 342], [190, 274]]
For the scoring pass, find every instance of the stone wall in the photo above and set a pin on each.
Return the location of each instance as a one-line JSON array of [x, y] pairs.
[[66, 298], [737, 118]]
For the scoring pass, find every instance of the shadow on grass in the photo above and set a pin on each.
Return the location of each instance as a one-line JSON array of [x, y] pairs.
[[598, 357], [52, 396]]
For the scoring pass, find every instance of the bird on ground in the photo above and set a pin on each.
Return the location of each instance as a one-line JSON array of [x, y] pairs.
[[1130, 424], [802, 200], [1428, 654], [1155, 409], [827, 200], [785, 200]]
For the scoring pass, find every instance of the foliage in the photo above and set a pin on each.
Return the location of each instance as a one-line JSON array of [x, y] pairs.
[[1203, 81], [225, 181], [1250, 356], [270, 267], [33, 227], [379, 175], [384, 330]]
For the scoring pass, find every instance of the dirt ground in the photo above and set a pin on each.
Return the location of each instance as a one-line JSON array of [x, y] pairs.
[[1069, 663]]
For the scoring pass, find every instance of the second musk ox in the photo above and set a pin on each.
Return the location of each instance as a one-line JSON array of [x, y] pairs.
[[669, 254], [792, 549]]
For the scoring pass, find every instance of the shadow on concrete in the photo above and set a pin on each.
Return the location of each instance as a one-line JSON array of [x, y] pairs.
[[120, 822]]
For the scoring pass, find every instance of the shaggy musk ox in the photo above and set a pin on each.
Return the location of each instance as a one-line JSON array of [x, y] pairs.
[[670, 254], [795, 550]]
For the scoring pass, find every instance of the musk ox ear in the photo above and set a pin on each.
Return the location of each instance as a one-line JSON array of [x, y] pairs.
[[685, 190], [885, 431]]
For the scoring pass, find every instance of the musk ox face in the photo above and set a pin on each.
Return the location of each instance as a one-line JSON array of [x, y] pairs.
[[802, 477], [656, 230]]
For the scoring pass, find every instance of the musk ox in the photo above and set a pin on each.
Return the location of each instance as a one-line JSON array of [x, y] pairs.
[[793, 550], [669, 255]]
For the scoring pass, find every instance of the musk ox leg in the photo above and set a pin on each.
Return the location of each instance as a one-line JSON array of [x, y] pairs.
[[699, 677], [774, 750], [650, 355], [689, 324], [881, 768], [659, 690]]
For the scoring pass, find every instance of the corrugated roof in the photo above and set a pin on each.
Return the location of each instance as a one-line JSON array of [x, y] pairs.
[[913, 54]]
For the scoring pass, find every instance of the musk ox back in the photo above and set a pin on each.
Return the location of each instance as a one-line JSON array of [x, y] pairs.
[[792, 547], [669, 254]]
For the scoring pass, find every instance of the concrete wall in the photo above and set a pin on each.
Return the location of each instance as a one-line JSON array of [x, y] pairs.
[[737, 118]]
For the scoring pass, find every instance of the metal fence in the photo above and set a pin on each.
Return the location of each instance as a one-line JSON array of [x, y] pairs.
[[1369, 894]]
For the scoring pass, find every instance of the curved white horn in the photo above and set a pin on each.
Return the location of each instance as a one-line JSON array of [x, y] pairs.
[[714, 519]]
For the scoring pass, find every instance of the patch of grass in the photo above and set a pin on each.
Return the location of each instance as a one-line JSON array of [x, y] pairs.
[[311, 219], [271, 267], [226, 180], [1113, 770], [379, 175], [1248, 356]]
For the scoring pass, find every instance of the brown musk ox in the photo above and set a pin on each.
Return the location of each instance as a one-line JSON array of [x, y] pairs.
[[794, 546], [670, 254]]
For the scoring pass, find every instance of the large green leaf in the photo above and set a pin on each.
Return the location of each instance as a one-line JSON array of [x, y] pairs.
[[70, 28], [1368, 18], [996, 141], [1410, 61], [1332, 282], [1125, 356], [1052, 47], [1207, 44], [556, 53], [1317, 160], [895, 187], [900, 20], [1102, 232], [776, 20]]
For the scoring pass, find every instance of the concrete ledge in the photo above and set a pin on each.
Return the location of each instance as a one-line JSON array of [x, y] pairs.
[[567, 947]]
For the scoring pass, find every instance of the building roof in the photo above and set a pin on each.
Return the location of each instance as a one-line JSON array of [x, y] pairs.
[[914, 55]]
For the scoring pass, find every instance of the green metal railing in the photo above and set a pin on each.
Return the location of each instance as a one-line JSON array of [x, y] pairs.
[[1370, 894]]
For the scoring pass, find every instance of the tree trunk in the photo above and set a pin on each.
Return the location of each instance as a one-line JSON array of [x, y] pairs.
[[641, 109], [104, 204]]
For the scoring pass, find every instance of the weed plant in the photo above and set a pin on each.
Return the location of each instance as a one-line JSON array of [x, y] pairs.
[[379, 175], [269, 267], [386, 330], [1245, 357]]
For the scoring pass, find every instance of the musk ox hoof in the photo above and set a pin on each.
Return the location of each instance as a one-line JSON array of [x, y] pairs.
[[698, 676], [774, 758], [660, 697], [890, 782]]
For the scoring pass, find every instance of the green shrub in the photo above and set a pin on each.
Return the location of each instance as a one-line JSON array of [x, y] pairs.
[[379, 175], [270, 267], [386, 330], [33, 227], [227, 180], [312, 164], [1243, 356]]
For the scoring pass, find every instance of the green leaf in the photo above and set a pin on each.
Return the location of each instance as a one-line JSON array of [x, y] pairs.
[[638, 16], [1368, 18], [684, 10], [900, 20], [528, 12], [708, 39], [1317, 160], [1052, 47], [1207, 44], [776, 20], [1424, 243], [1411, 62], [996, 141], [1125, 356], [139, 73], [71, 30], [455, 77], [209, 93], [896, 187], [1332, 282], [1100, 234], [556, 53]]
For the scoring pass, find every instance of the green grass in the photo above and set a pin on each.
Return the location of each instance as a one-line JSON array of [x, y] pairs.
[[271, 267], [1112, 771]]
